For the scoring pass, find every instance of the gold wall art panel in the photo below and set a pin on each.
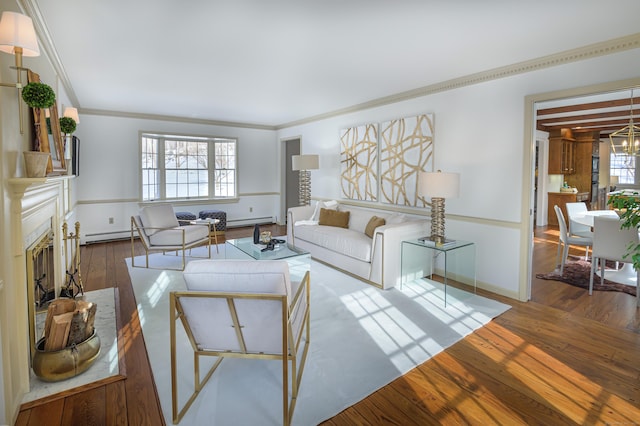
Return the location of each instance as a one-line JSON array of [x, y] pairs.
[[406, 148], [359, 162]]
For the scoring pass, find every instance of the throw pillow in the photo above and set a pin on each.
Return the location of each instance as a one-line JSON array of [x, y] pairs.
[[331, 205], [374, 222], [333, 218]]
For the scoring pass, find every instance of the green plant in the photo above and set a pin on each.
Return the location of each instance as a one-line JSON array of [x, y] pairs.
[[38, 95], [67, 125], [628, 207]]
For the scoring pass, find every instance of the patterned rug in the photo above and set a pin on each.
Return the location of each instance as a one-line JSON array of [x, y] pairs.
[[577, 273]]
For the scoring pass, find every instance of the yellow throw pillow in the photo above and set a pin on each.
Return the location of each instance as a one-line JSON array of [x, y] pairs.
[[334, 218], [374, 222]]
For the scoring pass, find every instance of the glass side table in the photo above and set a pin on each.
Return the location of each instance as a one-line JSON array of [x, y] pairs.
[[456, 261]]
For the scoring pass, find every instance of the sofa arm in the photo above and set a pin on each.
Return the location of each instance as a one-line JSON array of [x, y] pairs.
[[295, 214], [386, 253]]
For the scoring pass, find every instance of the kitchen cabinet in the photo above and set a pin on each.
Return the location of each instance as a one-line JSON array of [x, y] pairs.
[[561, 199], [561, 155], [587, 165]]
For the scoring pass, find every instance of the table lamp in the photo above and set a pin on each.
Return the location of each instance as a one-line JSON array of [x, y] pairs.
[[438, 186]]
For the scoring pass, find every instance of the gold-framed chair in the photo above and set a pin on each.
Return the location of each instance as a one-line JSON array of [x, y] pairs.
[[242, 309], [159, 230]]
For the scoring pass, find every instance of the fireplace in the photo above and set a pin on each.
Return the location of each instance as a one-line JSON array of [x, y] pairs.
[[40, 282], [38, 208]]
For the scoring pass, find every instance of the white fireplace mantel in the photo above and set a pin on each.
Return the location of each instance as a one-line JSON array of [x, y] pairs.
[[20, 185], [37, 205]]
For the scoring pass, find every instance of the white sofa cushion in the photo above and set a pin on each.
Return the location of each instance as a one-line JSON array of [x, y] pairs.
[[158, 216], [345, 241], [358, 219]]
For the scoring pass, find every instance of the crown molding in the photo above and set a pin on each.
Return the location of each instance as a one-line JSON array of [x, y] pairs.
[[102, 112], [574, 55]]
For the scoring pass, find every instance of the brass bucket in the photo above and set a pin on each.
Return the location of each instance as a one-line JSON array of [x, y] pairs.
[[53, 366]]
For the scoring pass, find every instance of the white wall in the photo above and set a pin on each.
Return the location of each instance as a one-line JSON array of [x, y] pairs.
[[479, 133], [108, 185]]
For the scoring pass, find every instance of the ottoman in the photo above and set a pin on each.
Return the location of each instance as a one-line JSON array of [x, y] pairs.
[[184, 218], [221, 226]]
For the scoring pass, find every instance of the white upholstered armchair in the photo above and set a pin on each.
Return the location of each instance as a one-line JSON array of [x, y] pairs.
[[159, 230], [246, 309]]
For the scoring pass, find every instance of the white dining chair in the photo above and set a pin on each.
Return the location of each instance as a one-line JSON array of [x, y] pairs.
[[610, 242], [575, 228], [565, 240]]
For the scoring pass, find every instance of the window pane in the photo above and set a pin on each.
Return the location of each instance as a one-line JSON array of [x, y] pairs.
[[182, 165], [624, 167], [149, 169]]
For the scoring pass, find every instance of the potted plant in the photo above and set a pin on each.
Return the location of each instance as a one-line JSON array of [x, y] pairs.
[[38, 95], [628, 207], [67, 125]]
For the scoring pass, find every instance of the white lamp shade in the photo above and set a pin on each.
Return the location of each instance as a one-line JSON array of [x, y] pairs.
[[71, 112], [16, 30], [439, 184], [613, 180], [305, 162]]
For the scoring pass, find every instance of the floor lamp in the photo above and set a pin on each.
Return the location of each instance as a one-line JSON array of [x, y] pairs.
[[304, 163], [438, 186]]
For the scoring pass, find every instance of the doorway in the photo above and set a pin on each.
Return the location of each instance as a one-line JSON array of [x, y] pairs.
[[291, 177], [536, 202]]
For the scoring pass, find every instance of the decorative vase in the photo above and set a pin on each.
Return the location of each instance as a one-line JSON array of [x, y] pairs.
[[53, 366], [256, 234], [36, 163]]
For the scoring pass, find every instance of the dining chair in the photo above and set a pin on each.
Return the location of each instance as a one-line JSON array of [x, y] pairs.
[[575, 228], [610, 242], [565, 240]]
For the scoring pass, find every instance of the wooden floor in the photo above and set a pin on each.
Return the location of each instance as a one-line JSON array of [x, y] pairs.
[[562, 358]]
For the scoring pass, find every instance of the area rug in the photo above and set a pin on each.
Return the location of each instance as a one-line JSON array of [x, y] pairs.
[[576, 273], [362, 338]]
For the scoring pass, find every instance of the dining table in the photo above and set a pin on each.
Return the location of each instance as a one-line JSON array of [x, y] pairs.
[[586, 218], [626, 274]]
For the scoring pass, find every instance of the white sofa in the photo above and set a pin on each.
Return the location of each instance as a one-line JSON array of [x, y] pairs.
[[375, 260]]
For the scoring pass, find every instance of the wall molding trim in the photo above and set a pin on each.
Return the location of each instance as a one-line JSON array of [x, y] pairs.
[[574, 55], [159, 117]]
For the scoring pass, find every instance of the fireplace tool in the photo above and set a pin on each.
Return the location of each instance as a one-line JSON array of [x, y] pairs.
[[73, 287]]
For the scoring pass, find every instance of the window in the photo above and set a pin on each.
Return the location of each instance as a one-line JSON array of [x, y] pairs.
[[187, 167], [623, 166]]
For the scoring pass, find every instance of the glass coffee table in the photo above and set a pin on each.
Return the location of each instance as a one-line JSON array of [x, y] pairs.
[[243, 248]]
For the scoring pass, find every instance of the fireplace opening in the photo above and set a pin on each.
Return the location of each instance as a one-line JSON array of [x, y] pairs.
[[40, 271]]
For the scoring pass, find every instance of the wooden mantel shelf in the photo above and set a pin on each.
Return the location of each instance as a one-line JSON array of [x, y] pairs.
[[19, 185]]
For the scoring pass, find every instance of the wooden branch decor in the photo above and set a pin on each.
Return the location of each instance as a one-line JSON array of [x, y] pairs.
[[68, 322]]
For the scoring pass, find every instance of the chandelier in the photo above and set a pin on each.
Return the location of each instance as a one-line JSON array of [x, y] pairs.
[[626, 141]]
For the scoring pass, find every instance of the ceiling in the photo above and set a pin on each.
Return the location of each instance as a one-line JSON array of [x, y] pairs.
[[604, 113], [275, 62]]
